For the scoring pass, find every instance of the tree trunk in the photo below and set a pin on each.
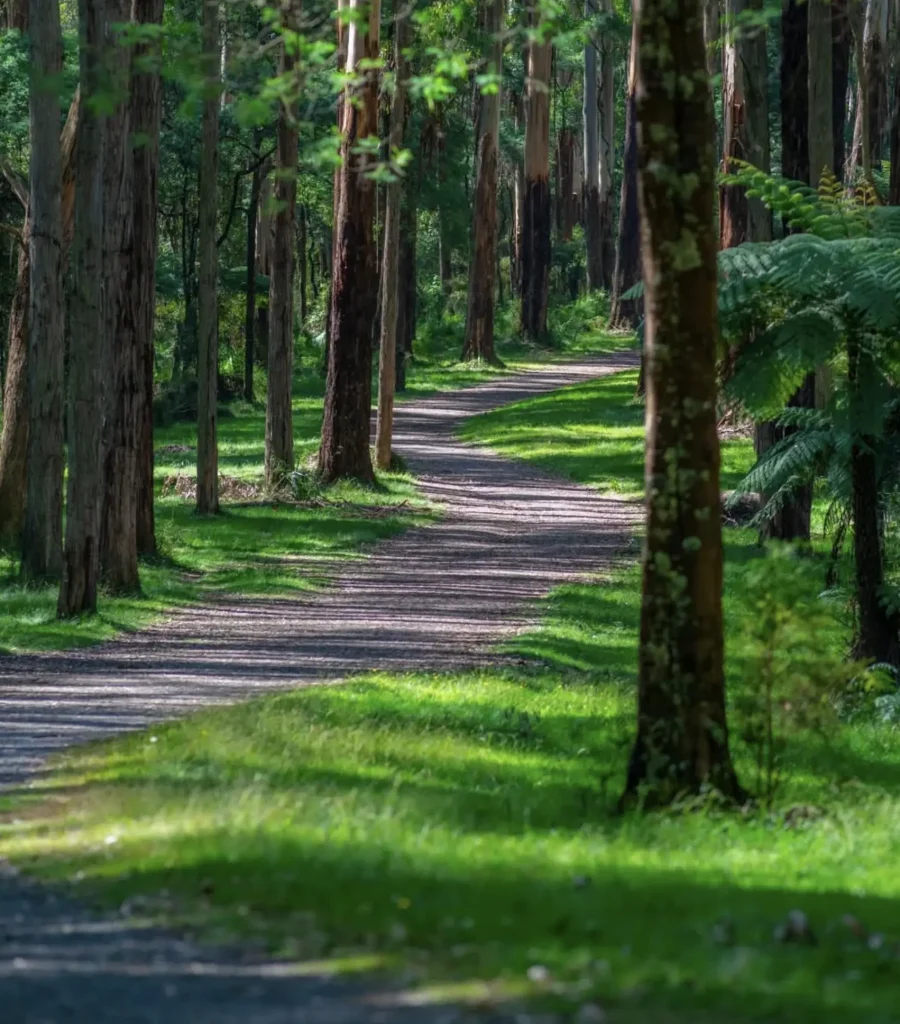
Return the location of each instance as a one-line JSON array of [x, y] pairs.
[[42, 535], [841, 44], [873, 85], [591, 128], [14, 437], [146, 115], [877, 628], [250, 307], [682, 735], [712, 17], [118, 532], [894, 193], [18, 14], [279, 413], [208, 341], [567, 199], [607, 154], [406, 318], [88, 352], [518, 204], [794, 73], [821, 133], [536, 214], [479, 337], [628, 245], [344, 450], [390, 303], [745, 106]]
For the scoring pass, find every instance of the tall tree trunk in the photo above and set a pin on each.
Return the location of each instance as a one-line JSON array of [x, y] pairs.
[[18, 14], [42, 535], [877, 629], [567, 199], [591, 128], [746, 123], [628, 246], [406, 317], [794, 73], [390, 274], [821, 133], [88, 350], [250, 307], [894, 187], [344, 450], [872, 87], [14, 436], [118, 532], [841, 45], [682, 735], [712, 17], [208, 342], [536, 236], [279, 413], [518, 204], [146, 115], [607, 153], [479, 337]]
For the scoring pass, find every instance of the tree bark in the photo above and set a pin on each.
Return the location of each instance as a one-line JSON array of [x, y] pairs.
[[479, 336], [746, 124], [88, 351], [279, 459], [42, 535], [712, 17], [118, 532], [682, 735], [567, 199], [628, 246], [406, 319], [794, 74], [894, 186], [344, 450], [821, 132], [14, 436], [877, 628], [591, 128], [208, 354], [536, 233], [872, 113], [390, 272]]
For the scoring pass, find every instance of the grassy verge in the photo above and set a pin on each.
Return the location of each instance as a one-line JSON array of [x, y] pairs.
[[462, 825]]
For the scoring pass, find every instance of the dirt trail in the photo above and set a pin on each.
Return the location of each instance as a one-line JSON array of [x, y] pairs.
[[434, 597]]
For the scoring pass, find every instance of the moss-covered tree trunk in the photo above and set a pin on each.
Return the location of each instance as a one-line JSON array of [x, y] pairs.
[[344, 450], [279, 454], [479, 337], [87, 351], [682, 734], [626, 312], [536, 207], [207, 283], [146, 115], [42, 534]]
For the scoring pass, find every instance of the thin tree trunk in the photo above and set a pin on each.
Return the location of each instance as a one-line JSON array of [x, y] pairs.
[[406, 319], [877, 629], [250, 308], [821, 132], [387, 359], [746, 123], [519, 204], [682, 735], [208, 347], [536, 237], [607, 154], [479, 337], [118, 531], [894, 192], [146, 115], [87, 349], [302, 243], [344, 450], [628, 247], [42, 535], [279, 458], [712, 17], [567, 198], [591, 128]]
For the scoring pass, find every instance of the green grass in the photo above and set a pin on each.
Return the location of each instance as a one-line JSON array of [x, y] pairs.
[[462, 825]]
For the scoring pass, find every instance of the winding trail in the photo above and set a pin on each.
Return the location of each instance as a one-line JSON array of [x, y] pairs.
[[434, 597]]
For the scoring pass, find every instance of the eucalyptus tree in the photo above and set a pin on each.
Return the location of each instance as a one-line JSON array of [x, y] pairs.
[[682, 735], [628, 246]]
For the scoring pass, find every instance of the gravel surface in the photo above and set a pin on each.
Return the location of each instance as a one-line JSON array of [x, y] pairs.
[[435, 597]]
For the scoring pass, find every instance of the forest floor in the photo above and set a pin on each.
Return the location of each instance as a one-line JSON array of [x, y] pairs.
[[448, 819]]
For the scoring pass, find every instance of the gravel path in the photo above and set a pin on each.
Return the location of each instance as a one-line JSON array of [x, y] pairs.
[[435, 597]]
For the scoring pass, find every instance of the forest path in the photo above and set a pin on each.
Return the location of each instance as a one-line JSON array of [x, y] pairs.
[[436, 597]]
